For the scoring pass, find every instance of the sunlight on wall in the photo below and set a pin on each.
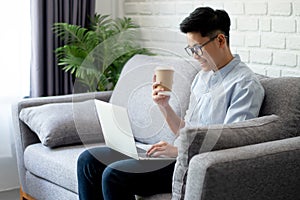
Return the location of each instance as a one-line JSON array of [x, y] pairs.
[[14, 63], [14, 80], [15, 48]]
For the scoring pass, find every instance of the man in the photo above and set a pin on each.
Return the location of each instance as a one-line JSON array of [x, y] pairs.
[[224, 91]]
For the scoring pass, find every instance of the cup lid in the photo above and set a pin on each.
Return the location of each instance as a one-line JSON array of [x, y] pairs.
[[164, 68]]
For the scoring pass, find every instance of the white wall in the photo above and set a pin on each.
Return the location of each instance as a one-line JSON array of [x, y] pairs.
[[264, 33]]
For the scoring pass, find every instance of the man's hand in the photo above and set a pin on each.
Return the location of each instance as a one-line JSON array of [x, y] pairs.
[[161, 100], [163, 149]]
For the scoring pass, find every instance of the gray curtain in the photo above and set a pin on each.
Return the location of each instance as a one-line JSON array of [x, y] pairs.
[[47, 78]]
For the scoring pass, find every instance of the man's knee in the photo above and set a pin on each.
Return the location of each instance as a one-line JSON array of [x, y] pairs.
[[83, 159], [109, 175]]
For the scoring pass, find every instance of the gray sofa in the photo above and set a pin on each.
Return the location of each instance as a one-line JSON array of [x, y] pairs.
[[256, 159]]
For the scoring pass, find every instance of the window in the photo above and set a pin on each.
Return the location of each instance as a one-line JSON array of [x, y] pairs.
[[14, 64]]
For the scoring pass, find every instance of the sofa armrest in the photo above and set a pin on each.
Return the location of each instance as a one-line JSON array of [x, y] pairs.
[[267, 170], [198, 140], [25, 137]]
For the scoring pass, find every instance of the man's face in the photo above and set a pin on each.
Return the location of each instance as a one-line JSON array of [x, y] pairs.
[[207, 59]]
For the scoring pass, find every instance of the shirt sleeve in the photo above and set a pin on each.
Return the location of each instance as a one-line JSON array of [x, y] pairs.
[[245, 101]]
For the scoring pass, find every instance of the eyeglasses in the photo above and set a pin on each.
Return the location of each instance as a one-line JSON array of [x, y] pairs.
[[197, 48]]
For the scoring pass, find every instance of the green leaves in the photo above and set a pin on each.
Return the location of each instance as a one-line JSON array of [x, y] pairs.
[[97, 55]]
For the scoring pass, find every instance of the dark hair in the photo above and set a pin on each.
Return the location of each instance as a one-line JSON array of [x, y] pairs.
[[206, 21]]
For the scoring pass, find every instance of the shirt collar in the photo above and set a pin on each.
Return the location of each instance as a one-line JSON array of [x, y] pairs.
[[227, 68]]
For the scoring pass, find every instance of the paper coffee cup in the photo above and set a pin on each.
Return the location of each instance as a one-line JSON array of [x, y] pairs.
[[165, 75]]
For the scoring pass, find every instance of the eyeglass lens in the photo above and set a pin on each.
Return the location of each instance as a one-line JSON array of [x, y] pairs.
[[194, 50]]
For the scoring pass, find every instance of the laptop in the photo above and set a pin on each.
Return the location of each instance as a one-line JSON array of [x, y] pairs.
[[118, 134]]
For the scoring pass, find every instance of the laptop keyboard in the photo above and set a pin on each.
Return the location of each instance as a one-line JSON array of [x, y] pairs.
[[140, 150]]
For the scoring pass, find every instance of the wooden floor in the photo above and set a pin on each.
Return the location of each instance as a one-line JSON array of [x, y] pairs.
[[10, 195]]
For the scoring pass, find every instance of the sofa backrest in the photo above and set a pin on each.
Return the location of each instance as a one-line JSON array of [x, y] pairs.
[[134, 91], [282, 97]]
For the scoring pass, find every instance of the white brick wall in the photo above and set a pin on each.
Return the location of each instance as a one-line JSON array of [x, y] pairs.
[[247, 24], [280, 8], [265, 24], [282, 25], [261, 56], [285, 59], [266, 33], [293, 43], [273, 41], [256, 8]]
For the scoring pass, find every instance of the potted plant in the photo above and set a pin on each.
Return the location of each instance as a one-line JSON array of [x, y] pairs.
[[96, 56]]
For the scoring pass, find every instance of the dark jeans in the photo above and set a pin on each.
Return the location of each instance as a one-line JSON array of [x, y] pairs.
[[106, 174]]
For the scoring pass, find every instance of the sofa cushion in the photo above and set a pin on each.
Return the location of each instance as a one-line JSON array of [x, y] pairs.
[[134, 91], [197, 140], [57, 165], [59, 124], [62, 170], [217, 137], [282, 97]]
